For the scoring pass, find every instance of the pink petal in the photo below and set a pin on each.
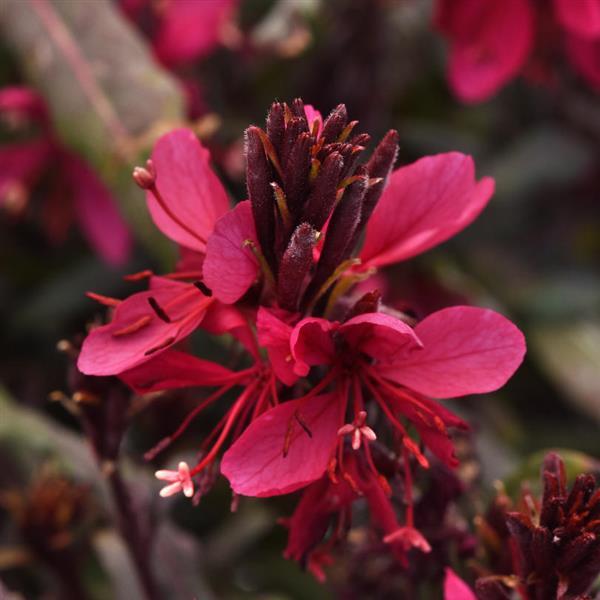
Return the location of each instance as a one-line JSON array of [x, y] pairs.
[[104, 353], [23, 100], [466, 350], [311, 344], [379, 335], [224, 318], [189, 187], [312, 115], [190, 29], [22, 164], [481, 61], [585, 57], [255, 464], [173, 369], [580, 17], [274, 335], [455, 588], [230, 267], [424, 204], [99, 218]]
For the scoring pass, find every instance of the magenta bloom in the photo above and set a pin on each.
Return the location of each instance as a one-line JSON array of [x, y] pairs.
[[182, 30], [76, 193], [480, 60], [339, 373]]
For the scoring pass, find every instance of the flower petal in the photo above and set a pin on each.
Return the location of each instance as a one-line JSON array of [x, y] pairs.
[[174, 369], [230, 267], [311, 344], [480, 60], [256, 466], [99, 218], [274, 335], [189, 187], [22, 164], [424, 204], [466, 350], [455, 588], [581, 18], [190, 29], [379, 335], [109, 351]]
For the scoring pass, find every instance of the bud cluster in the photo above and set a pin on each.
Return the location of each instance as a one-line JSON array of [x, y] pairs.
[[302, 177]]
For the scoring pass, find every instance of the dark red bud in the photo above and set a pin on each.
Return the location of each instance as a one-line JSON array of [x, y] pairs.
[[298, 111], [334, 124], [258, 180], [293, 129], [295, 265], [322, 196], [575, 551], [295, 183], [276, 125], [379, 166]]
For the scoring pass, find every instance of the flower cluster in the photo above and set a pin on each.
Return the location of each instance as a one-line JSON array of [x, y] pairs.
[[481, 61], [339, 385]]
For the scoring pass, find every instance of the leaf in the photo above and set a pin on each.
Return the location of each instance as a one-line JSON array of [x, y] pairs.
[[569, 353]]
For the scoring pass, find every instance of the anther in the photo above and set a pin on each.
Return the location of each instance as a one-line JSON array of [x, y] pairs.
[[165, 344], [203, 288], [157, 308], [133, 327]]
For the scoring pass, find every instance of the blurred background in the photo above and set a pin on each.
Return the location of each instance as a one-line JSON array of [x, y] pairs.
[[86, 87]]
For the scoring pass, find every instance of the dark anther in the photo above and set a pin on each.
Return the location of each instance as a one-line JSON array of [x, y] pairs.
[[157, 308], [203, 288], [303, 424]]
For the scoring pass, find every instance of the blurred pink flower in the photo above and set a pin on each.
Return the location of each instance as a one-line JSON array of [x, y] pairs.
[[75, 193], [481, 59]]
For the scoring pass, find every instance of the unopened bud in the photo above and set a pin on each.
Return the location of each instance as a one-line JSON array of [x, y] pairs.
[[145, 177]]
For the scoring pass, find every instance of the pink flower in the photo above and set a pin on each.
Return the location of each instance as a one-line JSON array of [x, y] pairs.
[[77, 193], [183, 30], [274, 272], [480, 61], [454, 352]]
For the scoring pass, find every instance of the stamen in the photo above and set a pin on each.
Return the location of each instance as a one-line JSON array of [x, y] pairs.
[[282, 205], [347, 264], [344, 284], [133, 327], [347, 131], [270, 151], [303, 424], [165, 206], [262, 261], [164, 344], [145, 274], [104, 300], [160, 313]]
